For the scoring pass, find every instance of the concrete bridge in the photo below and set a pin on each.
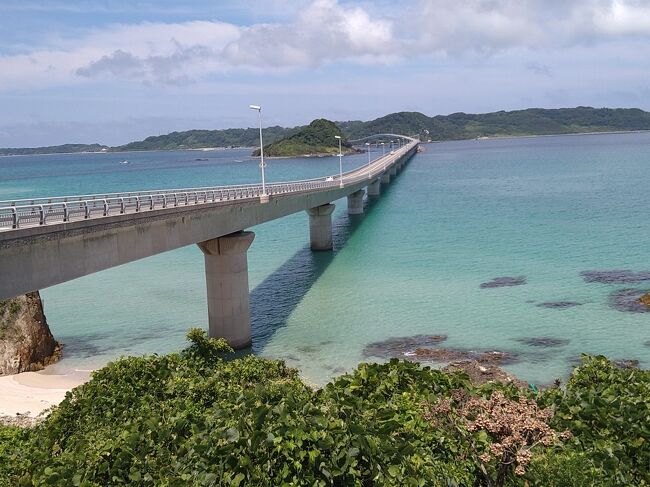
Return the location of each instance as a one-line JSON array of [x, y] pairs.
[[47, 241]]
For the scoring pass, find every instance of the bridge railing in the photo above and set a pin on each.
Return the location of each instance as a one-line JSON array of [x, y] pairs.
[[41, 211]]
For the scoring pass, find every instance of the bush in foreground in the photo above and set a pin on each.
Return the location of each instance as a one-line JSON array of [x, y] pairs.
[[201, 418]]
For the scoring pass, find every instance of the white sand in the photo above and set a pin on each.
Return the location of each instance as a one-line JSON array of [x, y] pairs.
[[31, 393]]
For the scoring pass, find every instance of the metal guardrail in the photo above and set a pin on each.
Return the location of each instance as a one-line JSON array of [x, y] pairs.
[[32, 212]]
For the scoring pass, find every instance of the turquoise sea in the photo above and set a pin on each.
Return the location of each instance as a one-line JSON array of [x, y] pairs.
[[461, 214]]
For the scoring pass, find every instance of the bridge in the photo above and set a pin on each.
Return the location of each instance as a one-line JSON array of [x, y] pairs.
[[47, 241]]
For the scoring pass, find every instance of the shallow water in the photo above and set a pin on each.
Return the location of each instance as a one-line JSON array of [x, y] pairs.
[[461, 214]]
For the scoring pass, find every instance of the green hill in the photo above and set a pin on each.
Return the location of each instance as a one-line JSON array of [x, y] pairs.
[[532, 121], [319, 137], [199, 139]]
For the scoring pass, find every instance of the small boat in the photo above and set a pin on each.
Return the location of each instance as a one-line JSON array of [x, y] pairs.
[[239, 160], [124, 162]]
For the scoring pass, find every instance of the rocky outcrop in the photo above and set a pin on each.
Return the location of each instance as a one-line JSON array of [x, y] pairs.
[[645, 300], [479, 374], [26, 343]]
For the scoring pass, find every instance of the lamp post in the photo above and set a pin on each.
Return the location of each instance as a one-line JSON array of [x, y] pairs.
[[340, 162], [368, 151], [383, 153], [264, 198]]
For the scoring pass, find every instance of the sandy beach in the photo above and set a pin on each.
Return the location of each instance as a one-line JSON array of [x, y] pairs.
[[31, 393]]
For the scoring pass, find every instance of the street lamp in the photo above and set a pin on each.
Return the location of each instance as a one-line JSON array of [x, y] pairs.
[[368, 151], [383, 149], [340, 162], [264, 198]]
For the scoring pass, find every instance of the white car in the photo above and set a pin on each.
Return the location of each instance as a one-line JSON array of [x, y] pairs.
[[329, 178]]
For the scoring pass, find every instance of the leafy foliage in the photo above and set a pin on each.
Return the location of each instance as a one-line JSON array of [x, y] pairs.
[[607, 409], [203, 417]]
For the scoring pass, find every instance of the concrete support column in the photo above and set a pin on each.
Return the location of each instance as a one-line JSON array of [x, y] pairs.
[[226, 275], [355, 202], [320, 227], [393, 171], [385, 178], [374, 188]]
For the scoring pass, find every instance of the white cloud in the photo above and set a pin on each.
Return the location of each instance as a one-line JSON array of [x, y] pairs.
[[323, 32], [490, 25], [320, 33]]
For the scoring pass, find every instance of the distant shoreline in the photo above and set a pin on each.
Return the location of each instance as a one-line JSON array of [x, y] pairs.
[[492, 137], [209, 149]]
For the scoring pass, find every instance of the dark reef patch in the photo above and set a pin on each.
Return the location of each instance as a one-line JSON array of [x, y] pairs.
[[647, 344], [485, 357], [627, 300], [626, 363], [558, 304], [396, 347], [504, 281], [423, 348], [543, 341], [617, 276]]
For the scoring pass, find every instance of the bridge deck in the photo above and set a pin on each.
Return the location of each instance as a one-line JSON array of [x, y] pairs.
[[44, 213]]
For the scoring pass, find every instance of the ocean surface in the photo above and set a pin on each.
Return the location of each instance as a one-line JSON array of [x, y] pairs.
[[541, 210]]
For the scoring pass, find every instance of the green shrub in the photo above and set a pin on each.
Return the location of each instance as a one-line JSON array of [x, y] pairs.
[[201, 417], [607, 409]]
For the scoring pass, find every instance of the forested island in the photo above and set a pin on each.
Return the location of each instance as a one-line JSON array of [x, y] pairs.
[[457, 126], [317, 138]]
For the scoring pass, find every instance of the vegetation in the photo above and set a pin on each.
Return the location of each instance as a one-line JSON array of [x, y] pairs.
[[532, 121], [457, 126], [197, 139], [202, 417], [319, 137]]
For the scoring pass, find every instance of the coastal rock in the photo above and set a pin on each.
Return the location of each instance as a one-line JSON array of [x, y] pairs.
[[645, 300], [543, 341], [504, 281], [628, 300], [558, 304], [619, 276], [490, 357], [26, 343], [479, 374], [626, 363], [398, 347], [423, 348]]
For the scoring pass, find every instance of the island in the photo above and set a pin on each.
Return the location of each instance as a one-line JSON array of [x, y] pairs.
[[319, 138], [456, 126]]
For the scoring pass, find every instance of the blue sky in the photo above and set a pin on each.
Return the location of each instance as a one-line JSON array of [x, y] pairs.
[[112, 71]]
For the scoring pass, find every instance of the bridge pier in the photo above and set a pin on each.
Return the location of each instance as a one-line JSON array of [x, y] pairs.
[[226, 275], [320, 227], [385, 178], [355, 202], [393, 171], [374, 188]]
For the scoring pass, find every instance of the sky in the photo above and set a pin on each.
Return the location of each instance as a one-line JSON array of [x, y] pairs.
[[114, 71]]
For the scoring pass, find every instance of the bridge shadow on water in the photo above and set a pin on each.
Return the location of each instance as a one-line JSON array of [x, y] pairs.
[[275, 298]]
